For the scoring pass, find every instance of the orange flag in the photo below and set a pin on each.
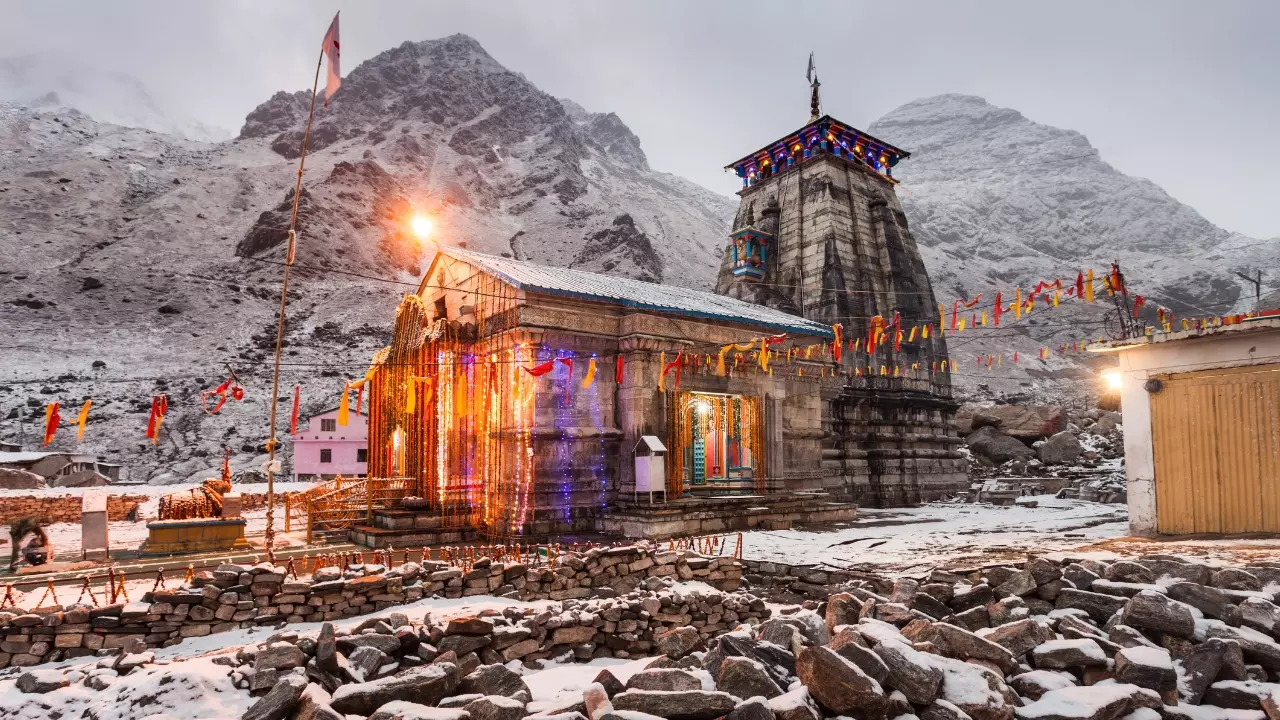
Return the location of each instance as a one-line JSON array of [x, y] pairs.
[[84, 416]]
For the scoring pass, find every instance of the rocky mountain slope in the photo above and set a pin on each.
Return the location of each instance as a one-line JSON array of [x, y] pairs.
[[141, 263], [996, 200]]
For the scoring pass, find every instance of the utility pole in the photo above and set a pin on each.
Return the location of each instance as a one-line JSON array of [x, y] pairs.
[[1256, 282]]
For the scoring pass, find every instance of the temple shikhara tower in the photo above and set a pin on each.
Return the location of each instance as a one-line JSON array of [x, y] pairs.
[[820, 234]]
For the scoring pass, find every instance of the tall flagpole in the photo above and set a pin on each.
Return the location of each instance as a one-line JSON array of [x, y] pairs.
[[284, 295]]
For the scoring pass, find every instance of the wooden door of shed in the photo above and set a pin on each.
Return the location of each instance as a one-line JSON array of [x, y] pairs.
[[1216, 439]]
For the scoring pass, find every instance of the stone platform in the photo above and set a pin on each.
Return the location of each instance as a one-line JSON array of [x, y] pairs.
[[408, 528], [628, 518], [168, 537], [706, 515]]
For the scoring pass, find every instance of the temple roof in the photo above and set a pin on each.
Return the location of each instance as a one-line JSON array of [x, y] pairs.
[[635, 294], [837, 128]]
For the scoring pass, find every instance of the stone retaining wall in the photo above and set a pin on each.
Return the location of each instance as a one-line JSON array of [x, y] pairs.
[[234, 596], [62, 508], [66, 508]]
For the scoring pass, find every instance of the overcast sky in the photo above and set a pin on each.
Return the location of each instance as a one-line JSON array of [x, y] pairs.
[[1184, 93]]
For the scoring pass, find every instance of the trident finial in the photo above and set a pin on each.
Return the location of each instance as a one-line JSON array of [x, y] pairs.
[[815, 105]]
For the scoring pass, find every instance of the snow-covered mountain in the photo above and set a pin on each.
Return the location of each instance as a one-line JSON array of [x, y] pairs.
[[56, 82], [141, 263], [996, 200]]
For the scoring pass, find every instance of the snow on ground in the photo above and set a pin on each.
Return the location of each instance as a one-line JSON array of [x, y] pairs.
[[195, 689], [904, 538]]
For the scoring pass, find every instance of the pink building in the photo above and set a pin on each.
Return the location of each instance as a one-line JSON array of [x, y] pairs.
[[323, 449]]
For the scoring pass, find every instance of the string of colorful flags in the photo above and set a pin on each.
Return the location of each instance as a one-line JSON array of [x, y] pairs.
[[765, 354]]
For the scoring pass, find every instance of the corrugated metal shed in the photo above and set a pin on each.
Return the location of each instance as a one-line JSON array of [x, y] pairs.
[[636, 294]]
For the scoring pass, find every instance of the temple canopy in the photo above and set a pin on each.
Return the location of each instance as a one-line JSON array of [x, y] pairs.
[[635, 294], [823, 135]]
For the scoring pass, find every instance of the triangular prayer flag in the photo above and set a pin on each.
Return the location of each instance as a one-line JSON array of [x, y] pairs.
[[617, 370], [343, 410], [293, 413], [591, 373]]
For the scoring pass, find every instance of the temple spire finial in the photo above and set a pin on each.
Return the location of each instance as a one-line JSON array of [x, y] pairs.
[[815, 104]]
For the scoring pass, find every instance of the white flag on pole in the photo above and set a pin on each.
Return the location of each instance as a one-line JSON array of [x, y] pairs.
[[333, 78]]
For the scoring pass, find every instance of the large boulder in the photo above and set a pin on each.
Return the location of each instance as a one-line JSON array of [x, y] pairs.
[[425, 685], [280, 701], [745, 678], [1147, 667], [1060, 449], [996, 446], [1155, 612], [838, 684], [677, 705], [1030, 422], [911, 672]]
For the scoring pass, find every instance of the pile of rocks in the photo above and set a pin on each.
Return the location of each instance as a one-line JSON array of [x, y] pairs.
[[1154, 637], [1036, 438], [236, 596]]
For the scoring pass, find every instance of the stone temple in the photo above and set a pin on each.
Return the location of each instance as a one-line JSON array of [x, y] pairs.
[[820, 234], [520, 401]]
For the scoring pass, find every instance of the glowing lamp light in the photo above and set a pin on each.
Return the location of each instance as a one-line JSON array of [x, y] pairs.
[[1112, 378], [422, 227], [703, 406]]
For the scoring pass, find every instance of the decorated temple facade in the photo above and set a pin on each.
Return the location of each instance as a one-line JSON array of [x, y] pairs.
[[512, 397], [820, 233]]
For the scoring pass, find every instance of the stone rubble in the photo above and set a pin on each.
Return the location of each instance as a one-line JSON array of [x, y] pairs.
[[875, 649]]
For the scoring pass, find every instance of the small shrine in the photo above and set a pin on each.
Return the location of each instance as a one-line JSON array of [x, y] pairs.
[[750, 248]]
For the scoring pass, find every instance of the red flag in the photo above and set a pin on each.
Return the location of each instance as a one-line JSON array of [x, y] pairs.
[[540, 370], [293, 415], [51, 421], [333, 77], [999, 308], [359, 398], [617, 370]]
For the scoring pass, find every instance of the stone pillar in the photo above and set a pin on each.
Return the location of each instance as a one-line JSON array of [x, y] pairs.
[[94, 543]]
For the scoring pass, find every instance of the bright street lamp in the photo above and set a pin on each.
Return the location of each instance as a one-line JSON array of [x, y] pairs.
[[422, 227]]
